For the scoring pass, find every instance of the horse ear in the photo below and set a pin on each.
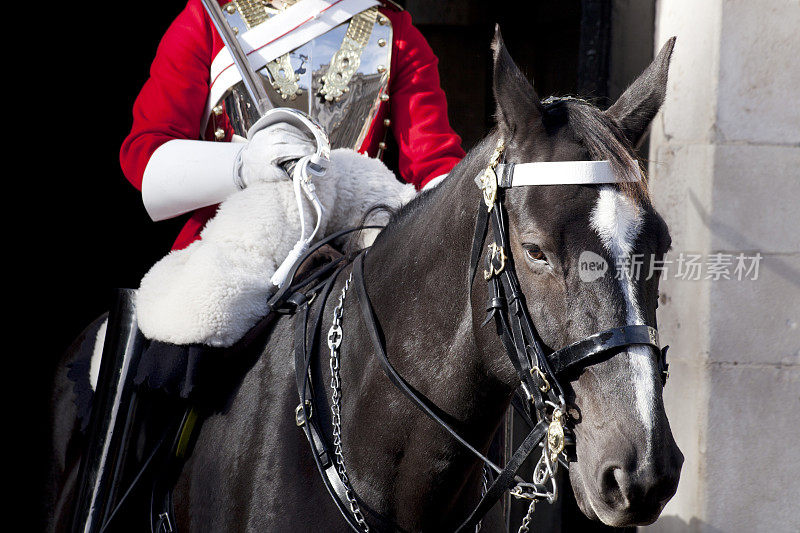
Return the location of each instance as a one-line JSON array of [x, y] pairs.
[[637, 106], [517, 103]]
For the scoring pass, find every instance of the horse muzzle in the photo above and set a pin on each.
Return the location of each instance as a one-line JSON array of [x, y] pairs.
[[625, 493]]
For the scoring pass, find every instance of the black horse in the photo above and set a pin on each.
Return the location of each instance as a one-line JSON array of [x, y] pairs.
[[251, 468]]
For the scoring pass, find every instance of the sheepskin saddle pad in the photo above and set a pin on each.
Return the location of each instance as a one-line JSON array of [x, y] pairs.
[[213, 291]]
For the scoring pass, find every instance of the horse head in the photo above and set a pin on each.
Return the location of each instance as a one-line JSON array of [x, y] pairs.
[[572, 246]]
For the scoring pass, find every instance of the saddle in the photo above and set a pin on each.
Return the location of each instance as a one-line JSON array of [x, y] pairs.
[[195, 370], [173, 385]]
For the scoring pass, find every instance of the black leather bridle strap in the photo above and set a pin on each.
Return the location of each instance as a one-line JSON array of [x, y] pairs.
[[419, 401], [507, 477], [481, 227], [577, 354], [319, 450], [302, 380], [517, 326]]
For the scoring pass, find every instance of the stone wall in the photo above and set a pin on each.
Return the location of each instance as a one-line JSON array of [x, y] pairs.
[[725, 173]]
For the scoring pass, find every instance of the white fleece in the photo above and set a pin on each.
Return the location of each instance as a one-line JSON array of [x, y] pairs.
[[216, 289]]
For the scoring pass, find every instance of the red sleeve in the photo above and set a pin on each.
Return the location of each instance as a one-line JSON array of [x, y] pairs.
[[172, 101], [428, 145]]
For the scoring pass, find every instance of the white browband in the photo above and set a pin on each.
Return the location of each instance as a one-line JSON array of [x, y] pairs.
[[559, 173]]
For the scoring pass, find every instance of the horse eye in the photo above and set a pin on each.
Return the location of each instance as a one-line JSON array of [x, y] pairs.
[[535, 254]]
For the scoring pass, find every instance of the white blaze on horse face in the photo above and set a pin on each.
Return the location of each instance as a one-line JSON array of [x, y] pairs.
[[618, 220]]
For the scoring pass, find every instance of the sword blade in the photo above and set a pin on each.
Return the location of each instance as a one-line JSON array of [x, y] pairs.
[[250, 79]]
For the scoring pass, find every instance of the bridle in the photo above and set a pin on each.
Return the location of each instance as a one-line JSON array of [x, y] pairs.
[[538, 371]]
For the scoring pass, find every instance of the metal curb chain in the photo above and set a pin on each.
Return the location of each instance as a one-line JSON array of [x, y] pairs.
[[526, 522], [544, 472], [334, 341]]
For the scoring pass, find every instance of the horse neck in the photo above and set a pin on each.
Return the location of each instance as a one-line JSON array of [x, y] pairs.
[[416, 276]]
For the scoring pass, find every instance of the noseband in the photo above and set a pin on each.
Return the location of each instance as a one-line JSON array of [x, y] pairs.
[[538, 370]]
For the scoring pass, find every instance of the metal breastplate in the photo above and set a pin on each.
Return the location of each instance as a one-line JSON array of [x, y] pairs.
[[339, 78]]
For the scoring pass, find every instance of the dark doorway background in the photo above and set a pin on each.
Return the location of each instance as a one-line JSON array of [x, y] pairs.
[[98, 235]]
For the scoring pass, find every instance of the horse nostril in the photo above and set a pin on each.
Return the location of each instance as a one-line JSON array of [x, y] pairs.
[[613, 481], [641, 491], [633, 491]]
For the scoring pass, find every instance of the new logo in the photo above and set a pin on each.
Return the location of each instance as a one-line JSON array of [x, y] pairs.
[[591, 266]]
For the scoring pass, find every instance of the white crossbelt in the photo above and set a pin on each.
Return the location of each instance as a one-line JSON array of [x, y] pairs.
[[278, 35]]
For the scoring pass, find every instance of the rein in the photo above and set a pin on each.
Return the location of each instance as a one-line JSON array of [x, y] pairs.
[[537, 370]]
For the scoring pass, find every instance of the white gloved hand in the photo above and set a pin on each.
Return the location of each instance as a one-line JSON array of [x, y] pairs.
[[260, 160]]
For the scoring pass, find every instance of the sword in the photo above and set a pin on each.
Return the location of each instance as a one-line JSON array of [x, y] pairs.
[[268, 114], [301, 171], [250, 79]]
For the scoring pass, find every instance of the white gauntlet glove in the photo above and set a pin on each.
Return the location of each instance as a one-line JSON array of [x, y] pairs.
[[260, 160], [184, 175]]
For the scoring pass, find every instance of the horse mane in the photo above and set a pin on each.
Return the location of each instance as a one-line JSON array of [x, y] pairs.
[[598, 133], [473, 162], [603, 139]]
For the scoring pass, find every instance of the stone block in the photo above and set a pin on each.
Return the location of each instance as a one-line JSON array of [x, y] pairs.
[[680, 185], [690, 109], [758, 100], [755, 200], [758, 320], [752, 459], [741, 464], [683, 319]]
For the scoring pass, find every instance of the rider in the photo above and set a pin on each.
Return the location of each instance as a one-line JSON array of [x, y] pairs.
[[190, 95], [359, 70]]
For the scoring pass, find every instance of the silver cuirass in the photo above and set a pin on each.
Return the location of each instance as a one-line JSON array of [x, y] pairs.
[[339, 78]]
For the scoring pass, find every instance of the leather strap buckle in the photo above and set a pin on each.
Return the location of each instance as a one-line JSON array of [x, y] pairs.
[[538, 375], [495, 261], [300, 414]]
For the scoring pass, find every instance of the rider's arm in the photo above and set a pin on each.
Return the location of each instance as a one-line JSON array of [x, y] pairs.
[[163, 156], [172, 101], [429, 147]]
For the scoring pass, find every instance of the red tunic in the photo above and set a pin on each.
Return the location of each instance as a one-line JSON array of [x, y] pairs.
[[172, 102]]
